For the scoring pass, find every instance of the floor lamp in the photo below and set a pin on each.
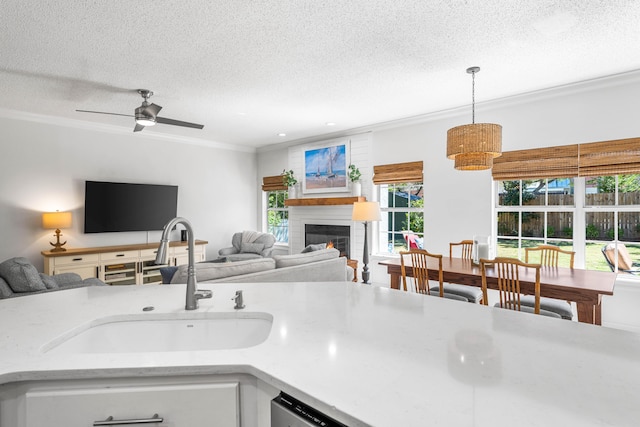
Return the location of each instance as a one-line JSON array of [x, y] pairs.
[[365, 212]]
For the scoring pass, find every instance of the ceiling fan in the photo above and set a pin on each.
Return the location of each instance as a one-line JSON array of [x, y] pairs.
[[147, 114]]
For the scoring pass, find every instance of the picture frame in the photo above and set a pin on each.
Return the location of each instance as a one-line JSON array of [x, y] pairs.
[[325, 168]]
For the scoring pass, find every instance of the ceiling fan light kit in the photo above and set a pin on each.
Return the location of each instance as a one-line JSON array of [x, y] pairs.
[[147, 114], [474, 146]]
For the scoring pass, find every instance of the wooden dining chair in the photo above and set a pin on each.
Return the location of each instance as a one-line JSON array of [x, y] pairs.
[[549, 256], [507, 272], [417, 280], [472, 294], [466, 249]]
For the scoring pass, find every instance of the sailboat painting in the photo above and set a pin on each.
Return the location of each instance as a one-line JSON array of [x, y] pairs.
[[325, 169]]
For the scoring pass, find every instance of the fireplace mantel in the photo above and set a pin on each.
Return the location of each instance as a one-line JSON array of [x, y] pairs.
[[324, 201]]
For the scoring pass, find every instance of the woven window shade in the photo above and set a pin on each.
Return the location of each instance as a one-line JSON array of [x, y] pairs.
[[551, 162], [273, 183], [397, 172], [616, 157]]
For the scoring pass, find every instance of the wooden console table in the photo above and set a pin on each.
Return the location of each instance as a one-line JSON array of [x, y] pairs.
[[120, 265]]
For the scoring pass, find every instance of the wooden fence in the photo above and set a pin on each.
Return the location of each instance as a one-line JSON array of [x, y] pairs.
[[600, 225]]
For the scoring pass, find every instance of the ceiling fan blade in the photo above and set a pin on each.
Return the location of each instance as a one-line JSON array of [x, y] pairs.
[[166, 121], [152, 109], [138, 128], [102, 112]]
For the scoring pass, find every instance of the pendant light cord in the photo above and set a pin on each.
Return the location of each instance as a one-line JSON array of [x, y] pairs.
[[473, 97]]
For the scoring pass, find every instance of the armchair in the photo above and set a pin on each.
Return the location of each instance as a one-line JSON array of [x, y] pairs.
[[249, 245]]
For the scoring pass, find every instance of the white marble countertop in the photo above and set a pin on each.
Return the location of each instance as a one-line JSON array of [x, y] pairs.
[[382, 356]]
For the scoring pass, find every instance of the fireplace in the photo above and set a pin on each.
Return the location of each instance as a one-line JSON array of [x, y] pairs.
[[336, 235]]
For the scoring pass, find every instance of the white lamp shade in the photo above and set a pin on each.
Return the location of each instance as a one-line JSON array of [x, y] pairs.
[[366, 211], [54, 220]]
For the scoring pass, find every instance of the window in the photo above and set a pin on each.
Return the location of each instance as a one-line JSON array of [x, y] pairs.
[[400, 192], [546, 211], [402, 224], [277, 212], [278, 215], [612, 214], [534, 212]]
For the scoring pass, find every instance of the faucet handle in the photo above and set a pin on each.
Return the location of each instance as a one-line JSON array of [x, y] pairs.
[[239, 301]]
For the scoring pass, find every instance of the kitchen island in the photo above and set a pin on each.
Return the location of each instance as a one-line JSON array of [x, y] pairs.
[[362, 354]]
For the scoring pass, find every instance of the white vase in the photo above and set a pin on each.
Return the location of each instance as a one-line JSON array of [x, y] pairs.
[[356, 189], [292, 192]]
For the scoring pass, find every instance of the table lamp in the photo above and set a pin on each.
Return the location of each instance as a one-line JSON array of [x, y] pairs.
[[365, 212], [56, 220]]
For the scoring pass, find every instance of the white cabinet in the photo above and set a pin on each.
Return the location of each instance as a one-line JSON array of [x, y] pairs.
[[120, 265], [200, 405]]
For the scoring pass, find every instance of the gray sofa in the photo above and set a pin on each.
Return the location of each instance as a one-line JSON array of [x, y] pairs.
[[18, 277], [324, 265]]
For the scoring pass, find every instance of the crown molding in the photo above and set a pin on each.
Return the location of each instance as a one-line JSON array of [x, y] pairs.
[[626, 78]]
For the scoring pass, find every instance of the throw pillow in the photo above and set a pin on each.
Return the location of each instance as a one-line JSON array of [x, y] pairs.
[[21, 275], [48, 281], [253, 248], [311, 248], [167, 274]]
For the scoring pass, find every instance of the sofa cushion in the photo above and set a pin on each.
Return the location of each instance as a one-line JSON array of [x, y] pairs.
[[305, 258], [211, 271], [252, 248], [5, 290], [21, 275], [316, 247]]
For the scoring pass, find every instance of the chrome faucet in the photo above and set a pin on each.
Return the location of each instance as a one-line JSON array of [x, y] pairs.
[[193, 294]]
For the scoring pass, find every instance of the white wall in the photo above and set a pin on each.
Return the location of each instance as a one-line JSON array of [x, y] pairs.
[[43, 168], [458, 204]]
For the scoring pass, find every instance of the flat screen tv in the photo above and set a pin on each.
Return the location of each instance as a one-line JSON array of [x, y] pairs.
[[117, 206]]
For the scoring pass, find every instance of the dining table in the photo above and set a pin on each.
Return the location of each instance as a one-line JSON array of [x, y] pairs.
[[583, 287]]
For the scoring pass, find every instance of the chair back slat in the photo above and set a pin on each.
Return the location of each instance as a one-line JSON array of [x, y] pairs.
[[466, 249], [507, 272], [418, 281], [549, 255]]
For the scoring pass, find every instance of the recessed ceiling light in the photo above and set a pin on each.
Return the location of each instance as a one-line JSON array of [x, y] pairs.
[[282, 134], [330, 124]]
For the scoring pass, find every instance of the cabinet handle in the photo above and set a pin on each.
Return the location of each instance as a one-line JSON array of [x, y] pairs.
[[77, 259], [119, 254], [111, 422]]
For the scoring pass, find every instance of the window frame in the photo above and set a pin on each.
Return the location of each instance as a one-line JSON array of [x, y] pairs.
[[580, 211]]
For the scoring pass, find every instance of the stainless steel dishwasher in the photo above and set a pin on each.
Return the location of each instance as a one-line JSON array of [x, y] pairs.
[[287, 411]]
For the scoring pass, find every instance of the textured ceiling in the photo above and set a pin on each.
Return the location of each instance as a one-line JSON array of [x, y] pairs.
[[250, 69]]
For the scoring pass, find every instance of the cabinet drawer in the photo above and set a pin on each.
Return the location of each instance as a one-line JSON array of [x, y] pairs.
[[111, 256], [148, 253], [179, 405], [181, 250], [75, 259]]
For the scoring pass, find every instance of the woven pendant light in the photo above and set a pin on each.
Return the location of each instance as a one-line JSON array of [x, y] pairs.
[[474, 146]]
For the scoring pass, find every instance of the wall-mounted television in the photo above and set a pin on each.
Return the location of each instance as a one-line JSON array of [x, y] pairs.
[[118, 206]]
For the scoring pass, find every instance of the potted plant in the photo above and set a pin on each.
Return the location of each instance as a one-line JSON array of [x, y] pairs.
[[290, 181], [354, 177]]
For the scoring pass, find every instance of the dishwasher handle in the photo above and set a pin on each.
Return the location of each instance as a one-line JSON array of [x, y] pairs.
[[111, 422]]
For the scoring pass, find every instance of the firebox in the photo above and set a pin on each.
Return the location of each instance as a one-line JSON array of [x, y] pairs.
[[336, 236]]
